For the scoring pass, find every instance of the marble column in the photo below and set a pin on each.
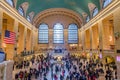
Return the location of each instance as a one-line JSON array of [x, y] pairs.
[[32, 43], [87, 39], [25, 36], [100, 34], [16, 36], [116, 20], [91, 38], [79, 40], [50, 36], [66, 37], [8, 70], [83, 40], [30, 48], [1, 24], [28, 40], [35, 39]]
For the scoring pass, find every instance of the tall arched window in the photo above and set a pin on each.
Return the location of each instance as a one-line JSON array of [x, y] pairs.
[[106, 2], [43, 33], [87, 18], [28, 18], [58, 33], [95, 12], [21, 11], [10, 2], [72, 33]]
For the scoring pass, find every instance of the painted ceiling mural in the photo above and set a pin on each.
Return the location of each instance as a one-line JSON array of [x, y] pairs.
[[78, 6]]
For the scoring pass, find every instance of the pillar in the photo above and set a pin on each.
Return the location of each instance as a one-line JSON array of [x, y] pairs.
[[25, 35], [16, 36], [83, 40], [79, 40], [66, 37], [116, 20], [50, 35], [32, 43], [20, 44], [34, 37], [100, 34], [1, 24], [87, 39], [91, 38], [28, 40]]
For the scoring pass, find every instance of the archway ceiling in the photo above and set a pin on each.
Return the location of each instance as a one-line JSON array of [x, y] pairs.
[[79, 6]]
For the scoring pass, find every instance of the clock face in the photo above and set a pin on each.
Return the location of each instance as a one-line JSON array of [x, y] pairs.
[[2, 56]]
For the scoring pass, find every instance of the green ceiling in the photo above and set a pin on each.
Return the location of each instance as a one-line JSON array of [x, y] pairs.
[[78, 6]]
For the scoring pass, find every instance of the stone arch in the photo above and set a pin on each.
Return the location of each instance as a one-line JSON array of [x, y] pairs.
[[15, 3], [91, 7], [84, 17], [25, 6], [101, 3], [57, 11], [31, 14]]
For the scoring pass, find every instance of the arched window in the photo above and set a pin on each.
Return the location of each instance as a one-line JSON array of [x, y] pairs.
[[43, 33], [95, 12], [87, 18], [10, 2], [106, 2], [58, 33], [28, 18], [72, 33], [21, 11]]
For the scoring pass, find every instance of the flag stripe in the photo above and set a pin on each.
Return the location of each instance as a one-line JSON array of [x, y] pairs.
[[9, 37]]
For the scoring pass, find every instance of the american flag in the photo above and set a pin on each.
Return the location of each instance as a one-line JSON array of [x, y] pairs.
[[9, 37]]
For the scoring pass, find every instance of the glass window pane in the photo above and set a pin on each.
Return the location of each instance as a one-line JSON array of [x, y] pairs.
[[58, 33], [87, 18], [95, 12], [72, 33], [10, 2], [43, 33], [21, 11], [106, 2], [28, 18]]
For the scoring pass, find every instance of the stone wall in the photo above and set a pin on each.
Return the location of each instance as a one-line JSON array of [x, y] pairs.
[[117, 41]]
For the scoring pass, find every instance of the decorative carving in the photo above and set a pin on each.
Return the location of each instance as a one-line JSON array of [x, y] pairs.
[[91, 7], [31, 14], [25, 6], [57, 11], [117, 35]]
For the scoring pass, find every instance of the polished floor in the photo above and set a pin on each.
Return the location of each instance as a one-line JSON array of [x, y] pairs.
[[48, 76]]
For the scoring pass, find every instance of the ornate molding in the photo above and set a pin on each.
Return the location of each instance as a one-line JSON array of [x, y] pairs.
[[25, 6], [117, 35], [91, 7], [101, 15], [57, 11], [31, 14], [14, 14]]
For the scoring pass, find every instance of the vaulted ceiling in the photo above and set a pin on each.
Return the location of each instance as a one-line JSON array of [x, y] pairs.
[[78, 6]]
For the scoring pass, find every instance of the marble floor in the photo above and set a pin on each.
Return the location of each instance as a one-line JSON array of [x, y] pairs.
[[48, 76]]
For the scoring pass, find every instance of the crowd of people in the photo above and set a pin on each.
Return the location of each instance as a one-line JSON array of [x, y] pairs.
[[69, 68]]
